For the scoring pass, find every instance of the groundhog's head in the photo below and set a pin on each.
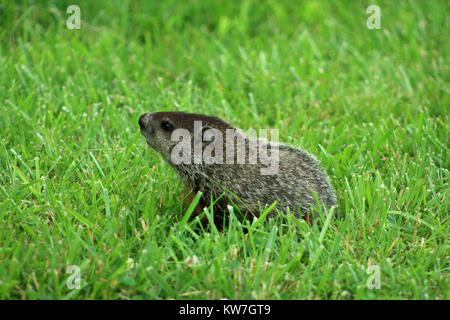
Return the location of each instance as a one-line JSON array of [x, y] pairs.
[[164, 130]]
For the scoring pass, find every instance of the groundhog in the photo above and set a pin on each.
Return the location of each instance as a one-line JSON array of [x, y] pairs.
[[233, 168]]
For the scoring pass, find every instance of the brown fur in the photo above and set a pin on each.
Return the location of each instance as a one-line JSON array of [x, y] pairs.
[[299, 174]]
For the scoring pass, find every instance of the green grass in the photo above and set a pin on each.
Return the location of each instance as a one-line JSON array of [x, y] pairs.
[[79, 186]]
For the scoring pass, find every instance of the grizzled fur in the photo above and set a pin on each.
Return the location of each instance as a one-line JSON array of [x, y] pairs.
[[299, 174]]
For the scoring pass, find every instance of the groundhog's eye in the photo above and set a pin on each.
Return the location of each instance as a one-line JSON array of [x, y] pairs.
[[167, 126]]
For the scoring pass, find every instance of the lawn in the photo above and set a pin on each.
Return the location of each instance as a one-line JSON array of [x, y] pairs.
[[83, 197]]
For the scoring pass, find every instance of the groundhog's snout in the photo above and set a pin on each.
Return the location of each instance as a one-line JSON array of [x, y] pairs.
[[144, 120]]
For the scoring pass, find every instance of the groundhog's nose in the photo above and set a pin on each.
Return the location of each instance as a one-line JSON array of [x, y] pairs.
[[144, 120]]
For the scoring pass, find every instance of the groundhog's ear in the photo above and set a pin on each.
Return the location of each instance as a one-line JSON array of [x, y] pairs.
[[204, 129]]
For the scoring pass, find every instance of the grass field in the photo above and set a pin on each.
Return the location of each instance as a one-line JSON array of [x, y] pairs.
[[79, 186]]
